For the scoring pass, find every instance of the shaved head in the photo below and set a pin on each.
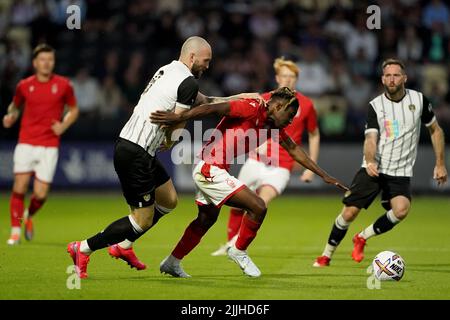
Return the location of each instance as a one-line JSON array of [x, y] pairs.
[[194, 45], [196, 54]]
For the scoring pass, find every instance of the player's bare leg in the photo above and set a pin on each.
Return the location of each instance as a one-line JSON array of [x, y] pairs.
[[338, 232], [266, 193], [207, 216], [40, 193], [20, 188]]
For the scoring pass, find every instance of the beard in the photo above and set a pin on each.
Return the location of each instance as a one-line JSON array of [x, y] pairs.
[[197, 71], [393, 90]]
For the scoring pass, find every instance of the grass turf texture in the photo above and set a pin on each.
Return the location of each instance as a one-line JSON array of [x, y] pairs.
[[292, 236]]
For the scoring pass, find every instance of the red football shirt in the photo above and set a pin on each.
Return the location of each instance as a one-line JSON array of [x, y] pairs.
[[239, 132], [306, 117], [42, 104]]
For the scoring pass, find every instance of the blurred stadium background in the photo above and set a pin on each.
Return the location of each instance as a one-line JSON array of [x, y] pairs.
[[122, 43]]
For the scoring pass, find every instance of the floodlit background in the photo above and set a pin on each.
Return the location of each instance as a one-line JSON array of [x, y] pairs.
[[122, 43]]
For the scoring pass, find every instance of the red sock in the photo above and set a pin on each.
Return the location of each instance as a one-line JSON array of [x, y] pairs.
[[16, 208], [35, 205], [234, 222], [247, 232], [191, 238]]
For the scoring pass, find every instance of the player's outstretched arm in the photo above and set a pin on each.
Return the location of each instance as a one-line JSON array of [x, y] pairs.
[[11, 116], [202, 99], [437, 139], [170, 118], [297, 153]]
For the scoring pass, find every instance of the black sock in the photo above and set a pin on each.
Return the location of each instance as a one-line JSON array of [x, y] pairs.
[[116, 232], [336, 235], [383, 224], [157, 215]]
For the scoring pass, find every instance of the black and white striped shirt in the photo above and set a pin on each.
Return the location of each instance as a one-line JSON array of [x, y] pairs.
[[398, 126], [173, 85]]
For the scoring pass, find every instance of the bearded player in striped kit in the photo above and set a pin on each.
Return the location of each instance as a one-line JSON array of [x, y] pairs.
[[390, 149]]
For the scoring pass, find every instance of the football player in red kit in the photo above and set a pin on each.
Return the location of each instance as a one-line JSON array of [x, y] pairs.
[[266, 172], [41, 99], [246, 124]]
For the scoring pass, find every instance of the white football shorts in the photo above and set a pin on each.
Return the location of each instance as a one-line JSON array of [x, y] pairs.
[[214, 185], [256, 174], [38, 159]]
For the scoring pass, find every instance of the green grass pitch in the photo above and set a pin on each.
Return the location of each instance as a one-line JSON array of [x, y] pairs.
[[293, 234]]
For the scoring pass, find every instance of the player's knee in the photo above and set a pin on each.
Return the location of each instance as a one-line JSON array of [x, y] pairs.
[[172, 202], [207, 218], [401, 212], [350, 213], [259, 208]]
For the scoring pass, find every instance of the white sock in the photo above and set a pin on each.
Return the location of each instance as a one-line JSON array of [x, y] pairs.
[[15, 230], [233, 240], [172, 260], [329, 250], [84, 247], [162, 209], [391, 216], [341, 223], [126, 244], [368, 232], [135, 225]]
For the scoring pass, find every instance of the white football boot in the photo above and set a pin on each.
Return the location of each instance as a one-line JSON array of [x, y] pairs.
[[244, 262], [171, 265]]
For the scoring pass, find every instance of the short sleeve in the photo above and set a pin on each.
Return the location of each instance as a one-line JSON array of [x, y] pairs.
[[69, 96], [187, 92], [372, 121], [19, 98], [427, 116], [243, 108]]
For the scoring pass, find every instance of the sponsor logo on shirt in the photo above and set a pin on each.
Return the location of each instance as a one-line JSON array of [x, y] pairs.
[[392, 128]]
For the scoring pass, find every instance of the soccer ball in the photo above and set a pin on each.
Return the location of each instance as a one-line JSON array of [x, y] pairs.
[[388, 265]]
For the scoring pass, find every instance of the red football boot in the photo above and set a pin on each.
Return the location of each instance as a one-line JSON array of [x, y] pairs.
[[322, 261], [358, 248], [80, 260], [29, 230], [126, 255]]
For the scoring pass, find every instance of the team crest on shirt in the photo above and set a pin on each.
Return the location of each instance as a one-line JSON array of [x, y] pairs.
[[31, 88], [54, 88], [147, 197], [412, 107], [231, 183]]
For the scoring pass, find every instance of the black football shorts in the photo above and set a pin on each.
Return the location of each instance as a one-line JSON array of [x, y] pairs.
[[364, 189], [139, 173]]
